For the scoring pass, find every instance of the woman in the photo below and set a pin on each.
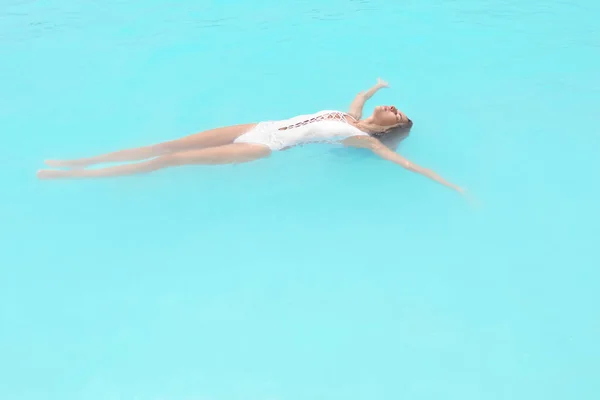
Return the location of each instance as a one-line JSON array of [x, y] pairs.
[[244, 143]]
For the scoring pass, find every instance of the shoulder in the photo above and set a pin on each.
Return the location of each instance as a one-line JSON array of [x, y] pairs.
[[364, 140]]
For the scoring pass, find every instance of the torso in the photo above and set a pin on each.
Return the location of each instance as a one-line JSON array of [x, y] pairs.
[[327, 126]]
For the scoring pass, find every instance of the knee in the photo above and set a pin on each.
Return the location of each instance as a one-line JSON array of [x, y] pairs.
[[167, 160], [162, 148]]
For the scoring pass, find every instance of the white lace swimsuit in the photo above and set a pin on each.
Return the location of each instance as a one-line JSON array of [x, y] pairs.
[[323, 127]]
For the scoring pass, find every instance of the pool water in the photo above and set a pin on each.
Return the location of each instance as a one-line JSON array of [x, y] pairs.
[[319, 273]]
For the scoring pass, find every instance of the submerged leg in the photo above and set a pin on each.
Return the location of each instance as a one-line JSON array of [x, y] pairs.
[[228, 154], [210, 138]]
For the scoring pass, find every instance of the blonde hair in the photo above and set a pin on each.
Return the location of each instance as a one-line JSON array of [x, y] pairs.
[[379, 130]]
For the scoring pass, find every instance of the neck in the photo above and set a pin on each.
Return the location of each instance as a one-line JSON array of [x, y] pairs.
[[368, 120], [365, 125]]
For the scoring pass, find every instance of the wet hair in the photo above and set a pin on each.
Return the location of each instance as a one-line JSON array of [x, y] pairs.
[[379, 130], [390, 136], [393, 137]]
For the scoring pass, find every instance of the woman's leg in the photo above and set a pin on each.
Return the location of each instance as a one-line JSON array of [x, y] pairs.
[[228, 154], [210, 138]]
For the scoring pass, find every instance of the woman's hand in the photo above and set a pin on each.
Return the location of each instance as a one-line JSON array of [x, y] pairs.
[[382, 84], [359, 101], [473, 201]]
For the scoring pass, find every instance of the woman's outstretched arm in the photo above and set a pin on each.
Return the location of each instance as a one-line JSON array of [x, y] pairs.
[[356, 107], [384, 152]]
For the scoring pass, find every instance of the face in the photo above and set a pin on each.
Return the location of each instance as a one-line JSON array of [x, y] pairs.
[[389, 116]]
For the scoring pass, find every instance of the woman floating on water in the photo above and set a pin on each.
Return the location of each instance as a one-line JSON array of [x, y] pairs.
[[249, 142]]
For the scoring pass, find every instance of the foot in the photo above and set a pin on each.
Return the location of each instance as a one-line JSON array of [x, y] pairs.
[[52, 174], [66, 163]]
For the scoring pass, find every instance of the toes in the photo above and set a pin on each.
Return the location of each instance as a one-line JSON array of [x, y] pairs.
[[48, 174], [55, 163]]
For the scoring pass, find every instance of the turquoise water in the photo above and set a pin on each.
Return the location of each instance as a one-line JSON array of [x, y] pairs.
[[318, 273]]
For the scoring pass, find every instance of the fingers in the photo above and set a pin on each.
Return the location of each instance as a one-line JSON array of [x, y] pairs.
[[382, 83], [473, 201]]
